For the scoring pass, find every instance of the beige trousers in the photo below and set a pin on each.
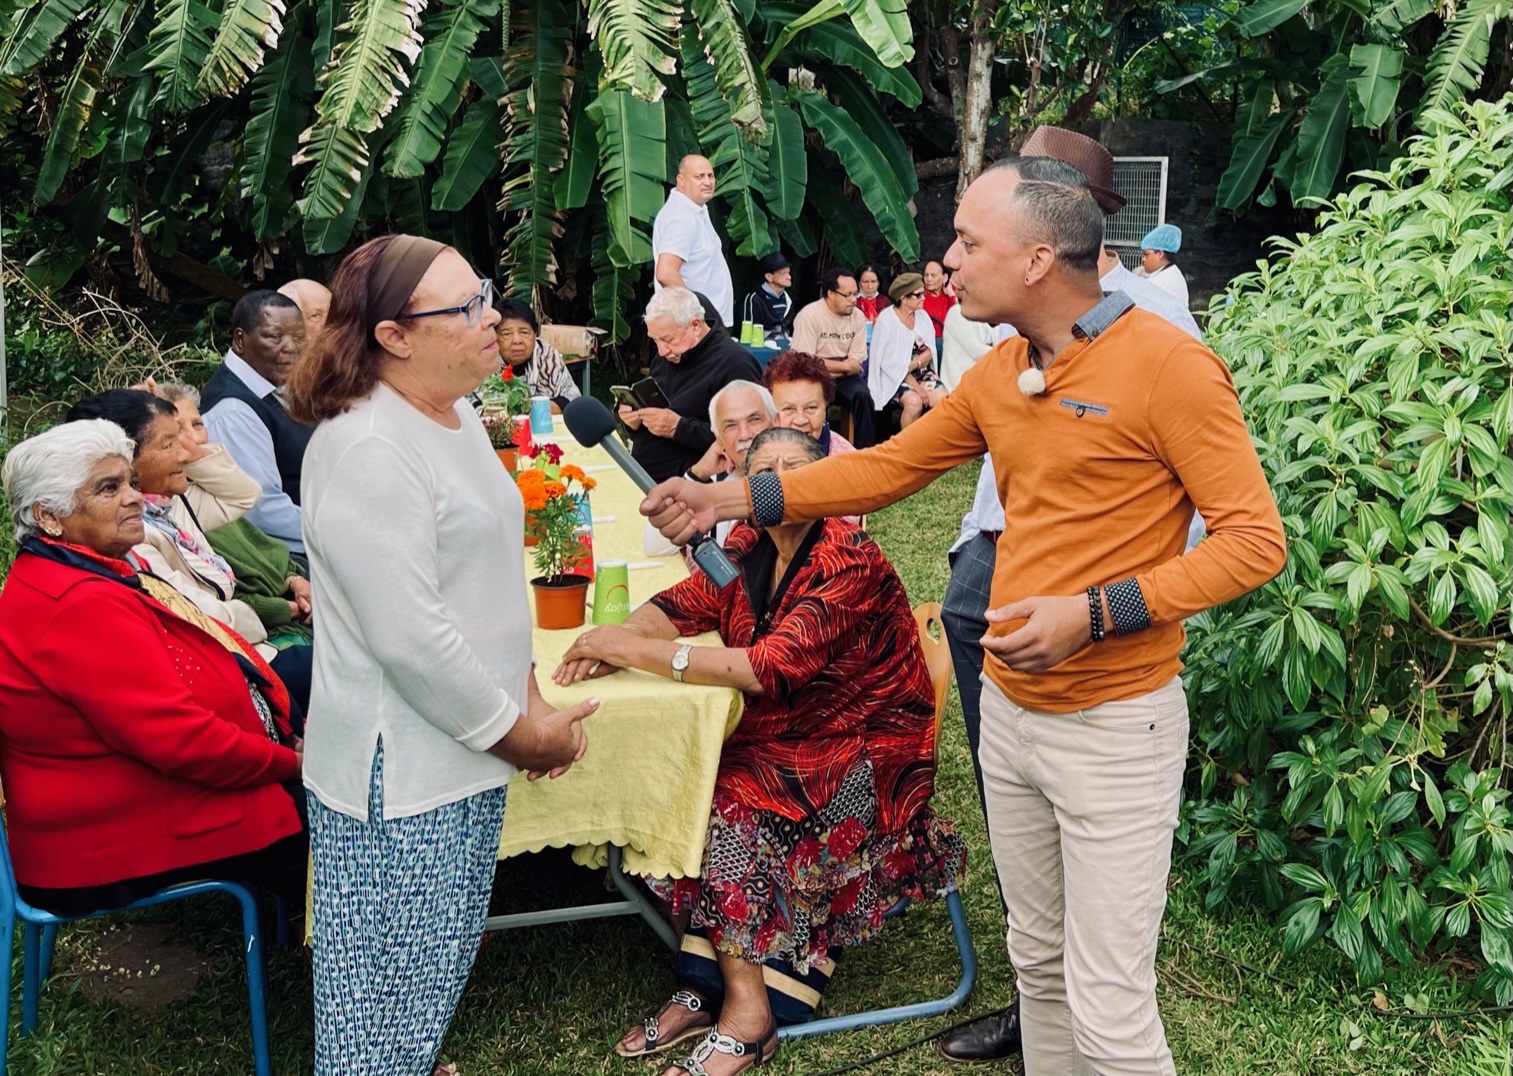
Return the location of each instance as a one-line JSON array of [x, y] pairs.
[[1081, 810]]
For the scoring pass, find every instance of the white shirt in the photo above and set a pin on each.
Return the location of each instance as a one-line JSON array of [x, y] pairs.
[[233, 424], [684, 230], [416, 536], [962, 344], [986, 513], [1170, 280], [892, 349]]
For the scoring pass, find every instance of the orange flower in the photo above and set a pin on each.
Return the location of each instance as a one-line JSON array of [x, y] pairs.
[[555, 489], [569, 473], [589, 483], [532, 485]]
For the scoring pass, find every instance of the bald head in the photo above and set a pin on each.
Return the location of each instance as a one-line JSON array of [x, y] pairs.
[[313, 300], [1023, 235], [696, 179]]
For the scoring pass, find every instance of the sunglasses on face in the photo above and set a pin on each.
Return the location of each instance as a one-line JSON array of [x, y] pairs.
[[472, 310], [916, 294]]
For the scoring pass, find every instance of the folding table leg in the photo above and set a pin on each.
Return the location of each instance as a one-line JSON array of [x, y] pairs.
[[633, 893]]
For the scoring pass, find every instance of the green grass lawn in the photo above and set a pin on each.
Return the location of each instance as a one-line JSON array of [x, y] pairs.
[[553, 1000]]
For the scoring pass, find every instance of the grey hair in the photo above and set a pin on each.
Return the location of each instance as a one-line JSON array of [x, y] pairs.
[[174, 391], [50, 468], [680, 304], [737, 386], [1058, 209], [784, 435]]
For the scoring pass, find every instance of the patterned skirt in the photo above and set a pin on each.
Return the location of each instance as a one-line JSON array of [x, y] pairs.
[[773, 887], [398, 909]]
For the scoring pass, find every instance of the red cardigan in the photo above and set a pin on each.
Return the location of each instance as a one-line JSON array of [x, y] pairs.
[[128, 742]]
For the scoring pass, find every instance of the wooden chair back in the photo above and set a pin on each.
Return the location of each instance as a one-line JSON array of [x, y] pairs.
[[937, 657]]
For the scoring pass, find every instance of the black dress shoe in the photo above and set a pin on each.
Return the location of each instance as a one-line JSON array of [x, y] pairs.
[[984, 1042]]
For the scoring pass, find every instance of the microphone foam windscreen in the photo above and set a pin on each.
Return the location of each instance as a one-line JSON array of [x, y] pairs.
[[588, 420]]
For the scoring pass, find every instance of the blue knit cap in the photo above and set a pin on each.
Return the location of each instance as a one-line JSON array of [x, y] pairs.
[[1167, 237]]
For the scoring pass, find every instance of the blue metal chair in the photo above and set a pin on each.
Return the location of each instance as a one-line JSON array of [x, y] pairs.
[[40, 931], [938, 660]]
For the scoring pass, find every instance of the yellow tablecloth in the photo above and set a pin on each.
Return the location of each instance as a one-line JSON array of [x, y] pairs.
[[653, 746]]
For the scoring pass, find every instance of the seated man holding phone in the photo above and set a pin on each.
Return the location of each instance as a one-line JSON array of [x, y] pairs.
[[671, 431]]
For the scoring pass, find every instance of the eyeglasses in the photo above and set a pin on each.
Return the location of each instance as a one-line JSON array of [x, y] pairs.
[[846, 294], [916, 294], [472, 310]]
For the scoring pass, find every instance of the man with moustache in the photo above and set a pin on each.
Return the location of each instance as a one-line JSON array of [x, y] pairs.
[[1108, 426]]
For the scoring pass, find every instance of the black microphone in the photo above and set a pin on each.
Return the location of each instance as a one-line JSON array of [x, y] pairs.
[[590, 423]]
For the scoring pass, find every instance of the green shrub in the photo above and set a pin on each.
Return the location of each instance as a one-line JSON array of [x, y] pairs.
[[1351, 716]]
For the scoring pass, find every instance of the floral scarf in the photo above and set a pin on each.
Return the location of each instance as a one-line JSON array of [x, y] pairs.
[[156, 514]]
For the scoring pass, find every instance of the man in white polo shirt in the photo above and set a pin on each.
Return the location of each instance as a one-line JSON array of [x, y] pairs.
[[685, 248]]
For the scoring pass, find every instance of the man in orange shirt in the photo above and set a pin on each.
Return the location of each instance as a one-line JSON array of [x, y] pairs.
[[1107, 427]]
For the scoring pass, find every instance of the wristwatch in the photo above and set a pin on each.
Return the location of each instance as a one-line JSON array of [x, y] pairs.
[[680, 662]]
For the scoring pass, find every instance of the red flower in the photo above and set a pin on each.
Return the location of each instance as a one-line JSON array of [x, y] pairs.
[[846, 838], [507, 374], [806, 854], [733, 904]]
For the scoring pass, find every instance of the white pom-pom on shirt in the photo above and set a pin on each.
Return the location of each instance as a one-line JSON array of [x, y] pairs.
[[1032, 382]]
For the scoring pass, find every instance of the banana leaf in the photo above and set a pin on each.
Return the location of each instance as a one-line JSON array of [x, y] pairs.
[[1264, 15], [729, 53], [632, 135], [636, 40], [787, 164], [842, 225], [1456, 65], [838, 43], [280, 108], [571, 188], [739, 165], [180, 44], [39, 26], [1373, 92], [1321, 136], [868, 168], [472, 156], [75, 108], [359, 88], [436, 91], [248, 29], [133, 125], [884, 26], [853, 94], [614, 285]]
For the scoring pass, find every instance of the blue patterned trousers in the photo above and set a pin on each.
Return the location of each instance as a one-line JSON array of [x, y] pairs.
[[398, 910]]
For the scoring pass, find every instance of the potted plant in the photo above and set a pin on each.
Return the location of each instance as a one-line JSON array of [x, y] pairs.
[[550, 490], [505, 396]]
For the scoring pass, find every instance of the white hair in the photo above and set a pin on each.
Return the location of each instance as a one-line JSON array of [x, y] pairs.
[[50, 468], [680, 304], [174, 391], [737, 386]]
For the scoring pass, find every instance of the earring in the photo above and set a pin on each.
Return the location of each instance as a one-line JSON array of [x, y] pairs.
[[52, 529]]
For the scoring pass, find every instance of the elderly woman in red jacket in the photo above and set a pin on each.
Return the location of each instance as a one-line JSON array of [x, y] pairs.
[[141, 742]]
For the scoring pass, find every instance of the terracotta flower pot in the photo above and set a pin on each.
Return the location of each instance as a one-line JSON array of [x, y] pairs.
[[510, 457], [531, 541], [560, 604]]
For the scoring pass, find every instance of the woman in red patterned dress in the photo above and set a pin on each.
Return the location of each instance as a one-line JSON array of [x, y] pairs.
[[821, 807]]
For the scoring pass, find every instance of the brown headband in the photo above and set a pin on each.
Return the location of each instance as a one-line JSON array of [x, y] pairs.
[[395, 274]]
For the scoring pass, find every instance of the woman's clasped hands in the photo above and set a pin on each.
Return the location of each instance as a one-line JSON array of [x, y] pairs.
[[597, 652]]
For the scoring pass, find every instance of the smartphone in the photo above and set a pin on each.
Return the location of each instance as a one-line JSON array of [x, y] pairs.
[[649, 394], [624, 394]]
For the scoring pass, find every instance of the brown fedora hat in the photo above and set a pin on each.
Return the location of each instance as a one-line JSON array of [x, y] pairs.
[[1082, 153]]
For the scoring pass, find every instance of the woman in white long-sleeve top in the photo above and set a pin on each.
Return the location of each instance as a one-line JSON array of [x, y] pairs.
[[901, 360], [425, 695]]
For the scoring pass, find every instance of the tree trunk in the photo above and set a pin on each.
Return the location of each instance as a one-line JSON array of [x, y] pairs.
[[176, 264], [956, 75], [941, 166], [977, 99]]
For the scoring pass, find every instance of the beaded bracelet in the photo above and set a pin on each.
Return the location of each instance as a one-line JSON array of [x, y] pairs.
[[1095, 613]]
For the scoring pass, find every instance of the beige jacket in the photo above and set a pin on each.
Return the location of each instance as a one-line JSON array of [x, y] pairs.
[[219, 492]]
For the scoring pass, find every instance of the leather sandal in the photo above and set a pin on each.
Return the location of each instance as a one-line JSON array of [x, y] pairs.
[[715, 1042], [652, 1026]]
